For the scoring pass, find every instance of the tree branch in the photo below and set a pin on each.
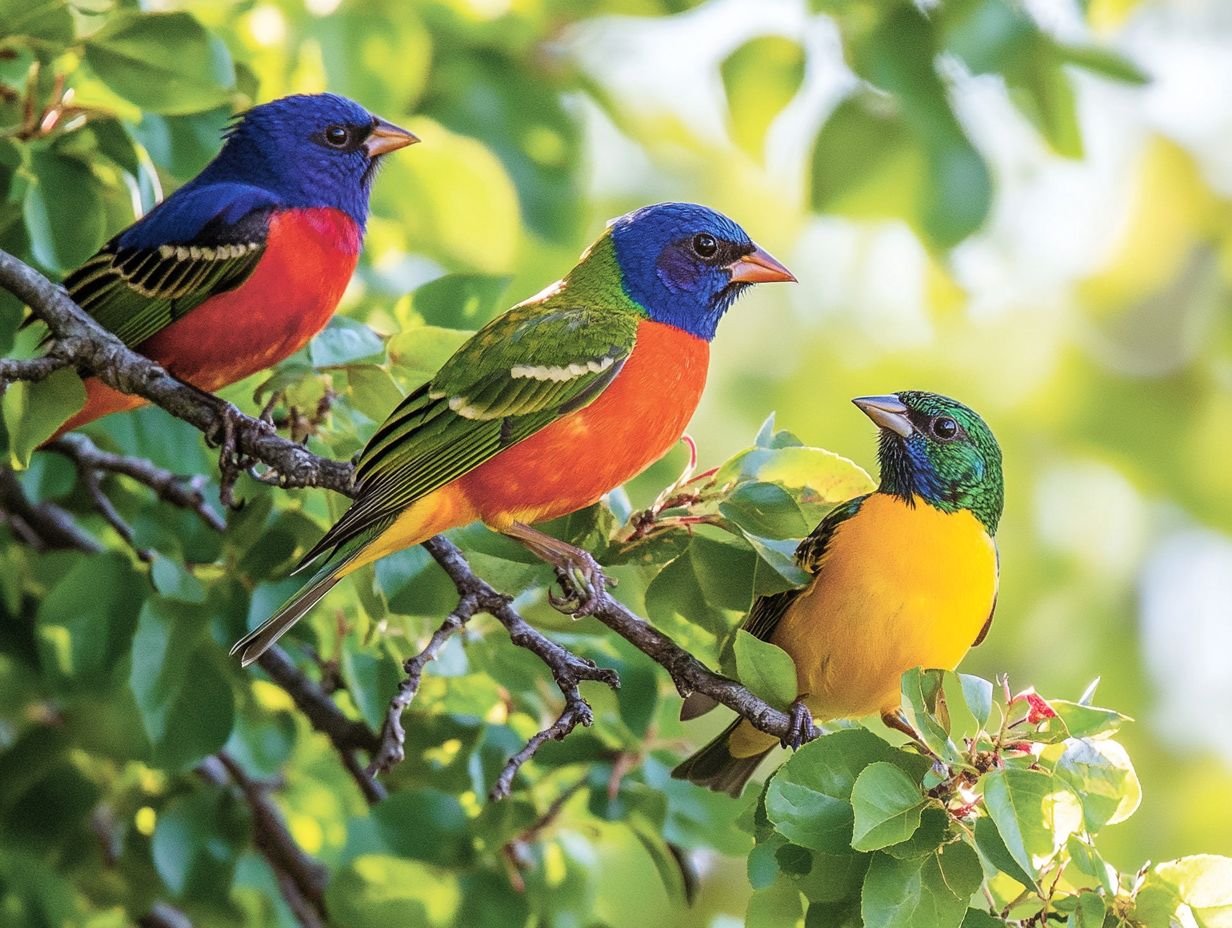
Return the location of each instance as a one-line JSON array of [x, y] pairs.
[[91, 348], [300, 876], [347, 735], [176, 489], [44, 526]]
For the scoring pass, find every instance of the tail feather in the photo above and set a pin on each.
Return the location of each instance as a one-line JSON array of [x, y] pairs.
[[716, 768], [262, 638]]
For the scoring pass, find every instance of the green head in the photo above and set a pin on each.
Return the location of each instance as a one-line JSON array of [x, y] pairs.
[[940, 450]]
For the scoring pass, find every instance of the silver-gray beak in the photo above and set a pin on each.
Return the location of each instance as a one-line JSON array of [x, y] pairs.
[[888, 412]]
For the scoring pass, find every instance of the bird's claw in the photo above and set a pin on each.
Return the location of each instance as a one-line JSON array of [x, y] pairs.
[[231, 462], [801, 729], [582, 583]]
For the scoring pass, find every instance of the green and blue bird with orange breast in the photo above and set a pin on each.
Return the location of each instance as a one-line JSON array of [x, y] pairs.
[[551, 405], [902, 577]]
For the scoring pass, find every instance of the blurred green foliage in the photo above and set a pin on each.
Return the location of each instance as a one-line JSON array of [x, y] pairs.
[[114, 680]]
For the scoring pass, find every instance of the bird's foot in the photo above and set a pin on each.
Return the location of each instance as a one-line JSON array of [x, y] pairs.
[[801, 730], [582, 583], [226, 437]]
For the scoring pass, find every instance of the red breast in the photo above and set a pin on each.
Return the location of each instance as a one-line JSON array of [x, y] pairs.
[[309, 258]]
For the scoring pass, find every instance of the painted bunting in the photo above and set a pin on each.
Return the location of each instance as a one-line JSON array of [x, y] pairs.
[[552, 404], [903, 577], [241, 266]]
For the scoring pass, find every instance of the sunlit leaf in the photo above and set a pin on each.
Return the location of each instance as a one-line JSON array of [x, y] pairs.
[[164, 62]]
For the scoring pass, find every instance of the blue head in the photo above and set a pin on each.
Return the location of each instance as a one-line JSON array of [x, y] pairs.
[[318, 150], [686, 264]]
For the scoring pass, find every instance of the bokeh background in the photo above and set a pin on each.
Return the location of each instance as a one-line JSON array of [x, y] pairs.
[[1039, 227]]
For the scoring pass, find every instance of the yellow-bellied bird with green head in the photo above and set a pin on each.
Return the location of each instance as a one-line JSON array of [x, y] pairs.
[[903, 577]]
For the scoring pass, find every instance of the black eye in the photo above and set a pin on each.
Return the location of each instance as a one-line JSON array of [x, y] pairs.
[[337, 136], [704, 245], [944, 428]]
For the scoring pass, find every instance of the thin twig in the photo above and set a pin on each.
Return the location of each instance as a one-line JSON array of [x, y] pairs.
[[176, 489]]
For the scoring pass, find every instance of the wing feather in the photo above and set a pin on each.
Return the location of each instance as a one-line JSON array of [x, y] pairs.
[[498, 389]]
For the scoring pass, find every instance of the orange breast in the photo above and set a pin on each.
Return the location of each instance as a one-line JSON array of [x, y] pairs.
[[573, 462]]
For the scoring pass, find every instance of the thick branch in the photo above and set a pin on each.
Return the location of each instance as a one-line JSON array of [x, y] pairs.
[[81, 340], [300, 876], [347, 735]]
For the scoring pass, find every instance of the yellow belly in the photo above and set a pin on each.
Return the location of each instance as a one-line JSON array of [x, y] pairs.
[[899, 586]]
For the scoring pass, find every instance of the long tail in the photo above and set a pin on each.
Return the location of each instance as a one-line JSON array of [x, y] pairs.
[[716, 768], [350, 558], [424, 518], [262, 638]]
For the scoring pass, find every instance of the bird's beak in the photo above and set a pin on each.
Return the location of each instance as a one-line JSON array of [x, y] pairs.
[[758, 267], [888, 412], [386, 137]]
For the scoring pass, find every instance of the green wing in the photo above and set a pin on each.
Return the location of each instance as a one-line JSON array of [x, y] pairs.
[[766, 613], [518, 374], [136, 292]]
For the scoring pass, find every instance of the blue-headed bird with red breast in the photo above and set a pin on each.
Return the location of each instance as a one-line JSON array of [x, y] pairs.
[[240, 267], [549, 406]]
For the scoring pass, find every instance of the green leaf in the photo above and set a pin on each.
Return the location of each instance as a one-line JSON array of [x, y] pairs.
[[1089, 912], [808, 799], [1203, 883], [163, 62], [765, 510], [460, 301], [988, 842], [977, 694], [186, 704], [344, 341], [1075, 720], [887, 805], [33, 410], [760, 78], [766, 669], [933, 832], [45, 23], [774, 907], [63, 210], [923, 694], [378, 891], [1104, 61], [1086, 858], [176, 582], [1104, 778], [440, 833], [813, 475], [1034, 813], [928, 892], [85, 623], [197, 843]]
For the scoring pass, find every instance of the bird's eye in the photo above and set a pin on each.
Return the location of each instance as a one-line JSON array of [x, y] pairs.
[[944, 428], [704, 245], [337, 136]]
